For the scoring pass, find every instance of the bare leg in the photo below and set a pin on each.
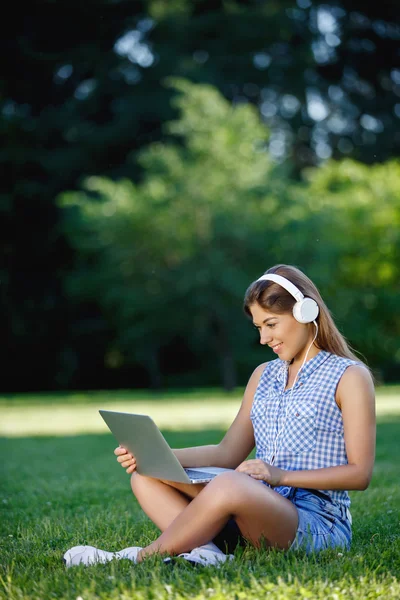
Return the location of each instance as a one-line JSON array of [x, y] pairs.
[[259, 512], [163, 501]]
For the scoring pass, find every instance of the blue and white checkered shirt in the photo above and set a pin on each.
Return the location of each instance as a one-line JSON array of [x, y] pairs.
[[302, 428]]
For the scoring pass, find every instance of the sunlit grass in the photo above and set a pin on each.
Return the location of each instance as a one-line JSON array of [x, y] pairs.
[[64, 418], [65, 414]]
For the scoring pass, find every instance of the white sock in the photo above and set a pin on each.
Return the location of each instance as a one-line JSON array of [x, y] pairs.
[[129, 553], [211, 546]]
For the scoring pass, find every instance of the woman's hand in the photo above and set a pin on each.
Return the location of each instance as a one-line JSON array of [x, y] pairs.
[[126, 460], [258, 469]]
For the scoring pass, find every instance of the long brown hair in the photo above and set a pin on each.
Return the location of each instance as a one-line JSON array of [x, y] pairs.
[[274, 298]]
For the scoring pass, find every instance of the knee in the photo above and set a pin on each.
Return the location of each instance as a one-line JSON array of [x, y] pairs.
[[228, 489], [138, 482]]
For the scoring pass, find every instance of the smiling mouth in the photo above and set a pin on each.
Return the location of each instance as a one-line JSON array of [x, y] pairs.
[[277, 346]]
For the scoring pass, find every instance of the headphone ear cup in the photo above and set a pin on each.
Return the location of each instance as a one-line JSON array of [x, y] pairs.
[[306, 310]]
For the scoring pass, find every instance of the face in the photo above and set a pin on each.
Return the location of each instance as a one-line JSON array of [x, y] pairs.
[[287, 337]]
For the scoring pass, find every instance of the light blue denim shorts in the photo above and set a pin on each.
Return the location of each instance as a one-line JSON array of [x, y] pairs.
[[322, 523]]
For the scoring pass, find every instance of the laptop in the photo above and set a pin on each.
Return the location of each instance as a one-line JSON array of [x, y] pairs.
[[154, 457]]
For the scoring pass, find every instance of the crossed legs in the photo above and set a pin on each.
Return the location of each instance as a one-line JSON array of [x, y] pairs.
[[163, 501], [191, 515]]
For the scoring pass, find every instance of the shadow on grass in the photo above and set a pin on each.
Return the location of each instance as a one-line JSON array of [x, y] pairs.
[[81, 455], [129, 395]]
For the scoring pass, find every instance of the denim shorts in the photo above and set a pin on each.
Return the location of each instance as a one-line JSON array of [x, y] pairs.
[[322, 523]]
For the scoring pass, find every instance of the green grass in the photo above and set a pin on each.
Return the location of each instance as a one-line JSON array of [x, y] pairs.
[[57, 491]]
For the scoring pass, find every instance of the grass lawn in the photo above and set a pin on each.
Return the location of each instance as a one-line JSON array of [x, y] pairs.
[[60, 486]]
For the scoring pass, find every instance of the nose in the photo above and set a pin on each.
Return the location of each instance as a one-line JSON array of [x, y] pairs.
[[265, 337]]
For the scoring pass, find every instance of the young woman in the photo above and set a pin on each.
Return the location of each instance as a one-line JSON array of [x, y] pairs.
[[310, 413]]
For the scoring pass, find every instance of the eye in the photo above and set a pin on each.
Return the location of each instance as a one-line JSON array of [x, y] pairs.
[[271, 325]]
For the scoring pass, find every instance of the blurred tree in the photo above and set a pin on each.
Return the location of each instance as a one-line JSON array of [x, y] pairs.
[[169, 258], [324, 75], [360, 231]]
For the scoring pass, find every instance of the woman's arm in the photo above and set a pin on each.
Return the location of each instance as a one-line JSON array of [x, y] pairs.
[[237, 443], [356, 398]]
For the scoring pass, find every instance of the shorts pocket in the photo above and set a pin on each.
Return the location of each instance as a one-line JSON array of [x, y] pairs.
[[322, 523], [299, 433]]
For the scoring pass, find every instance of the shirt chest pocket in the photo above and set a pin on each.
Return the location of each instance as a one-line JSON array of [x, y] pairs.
[[258, 411], [299, 432]]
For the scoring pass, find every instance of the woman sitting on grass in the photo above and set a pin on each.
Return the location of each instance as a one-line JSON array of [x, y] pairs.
[[311, 416]]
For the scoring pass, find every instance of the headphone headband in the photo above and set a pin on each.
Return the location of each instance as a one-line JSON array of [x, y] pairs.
[[285, 283], [305, 310]]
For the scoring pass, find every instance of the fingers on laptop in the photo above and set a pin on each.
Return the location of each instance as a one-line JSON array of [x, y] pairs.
[[125, 457], [119, 451], [126, 460]]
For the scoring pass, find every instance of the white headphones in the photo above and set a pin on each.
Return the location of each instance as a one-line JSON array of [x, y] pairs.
[[305, 310]]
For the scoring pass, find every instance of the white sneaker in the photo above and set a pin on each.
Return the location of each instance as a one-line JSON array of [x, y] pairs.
[[204, 556], [86, 555], [89, 555]]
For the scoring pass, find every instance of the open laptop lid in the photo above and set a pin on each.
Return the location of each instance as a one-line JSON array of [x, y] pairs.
[[141, 436]]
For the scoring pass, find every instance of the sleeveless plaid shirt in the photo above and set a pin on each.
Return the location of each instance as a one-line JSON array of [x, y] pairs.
[[302, 428]]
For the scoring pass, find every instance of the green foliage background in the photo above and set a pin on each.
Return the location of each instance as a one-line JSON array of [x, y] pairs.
[[196, 143], [171, 257]]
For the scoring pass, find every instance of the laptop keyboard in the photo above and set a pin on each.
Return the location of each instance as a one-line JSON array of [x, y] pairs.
[[199, 475]]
